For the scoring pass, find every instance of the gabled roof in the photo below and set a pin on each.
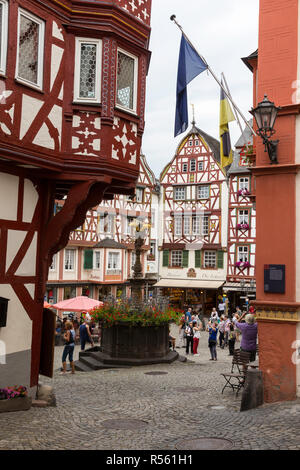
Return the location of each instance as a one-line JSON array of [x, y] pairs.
[[235, 167], [110, 243], [247, 60], [213, 143]]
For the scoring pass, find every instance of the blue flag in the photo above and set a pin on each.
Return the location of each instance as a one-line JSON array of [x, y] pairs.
[[189, 66]]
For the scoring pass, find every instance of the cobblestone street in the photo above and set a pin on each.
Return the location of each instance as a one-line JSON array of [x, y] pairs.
[[183, 404]]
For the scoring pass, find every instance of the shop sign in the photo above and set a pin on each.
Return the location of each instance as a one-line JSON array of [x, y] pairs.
[[191, 273]]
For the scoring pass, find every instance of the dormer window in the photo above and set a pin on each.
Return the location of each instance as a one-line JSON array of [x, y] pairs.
[[87, 83]]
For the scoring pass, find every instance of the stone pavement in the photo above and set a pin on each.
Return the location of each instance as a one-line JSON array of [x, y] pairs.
[[184, 404]]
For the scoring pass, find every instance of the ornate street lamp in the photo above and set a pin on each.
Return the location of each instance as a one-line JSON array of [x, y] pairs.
[[265, 116]]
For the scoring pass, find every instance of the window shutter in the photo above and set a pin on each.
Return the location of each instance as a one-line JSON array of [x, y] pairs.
[[220, 259], [88, 259], [198, 259], [185, 259], [166, 258]]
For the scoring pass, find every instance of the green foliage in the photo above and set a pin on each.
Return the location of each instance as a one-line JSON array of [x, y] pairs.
[[125, 313]]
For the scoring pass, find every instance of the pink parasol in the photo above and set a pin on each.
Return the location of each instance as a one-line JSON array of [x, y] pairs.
[[78, 304], [47, 305]]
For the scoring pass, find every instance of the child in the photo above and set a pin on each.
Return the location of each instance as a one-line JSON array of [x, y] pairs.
[[231, 339]]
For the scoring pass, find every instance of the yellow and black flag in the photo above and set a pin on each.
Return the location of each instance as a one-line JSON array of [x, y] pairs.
[[226, 116]]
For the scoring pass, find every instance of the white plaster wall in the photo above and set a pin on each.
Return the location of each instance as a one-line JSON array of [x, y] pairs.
[[30, 201], [17, 335], [224, 213], [8, 196], [30, 108]]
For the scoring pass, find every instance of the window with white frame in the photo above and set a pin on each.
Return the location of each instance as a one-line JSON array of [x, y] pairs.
[[244, 183], [196, 225], [191, 143], [139, 195], [210, 259], [96, 259], [243, 253], [107, 222], [152, 248], [187, 225], [69, 260], [3, 34], [184, 167], [203, 191], [205, 224], [127, 70], [179, 193], [243, 216], [178, 226], [200, 166], [176, 259], [87, 77], [113, 262], [130, 226], [53, 264], [196, 142], [192, 164], [30, 55]]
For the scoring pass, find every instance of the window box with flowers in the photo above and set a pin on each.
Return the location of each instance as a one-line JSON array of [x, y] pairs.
[[243, 192], [242, 264], [243, 226], [14, 399]]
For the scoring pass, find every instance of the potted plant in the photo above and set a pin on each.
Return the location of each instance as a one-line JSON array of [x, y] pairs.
[[244, 192], [242, 264], [242, 226], [134, 331], [14, 399]]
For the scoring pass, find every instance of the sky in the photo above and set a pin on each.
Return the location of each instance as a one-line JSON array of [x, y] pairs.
[[222, 32]]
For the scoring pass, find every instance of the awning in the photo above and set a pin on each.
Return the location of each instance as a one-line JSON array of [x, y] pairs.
[[189, 284], [236, 286]]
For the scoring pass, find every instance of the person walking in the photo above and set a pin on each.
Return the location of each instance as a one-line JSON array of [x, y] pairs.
[[212, 328], [189, 337], [196, 331], [85, 335], [69, 337]]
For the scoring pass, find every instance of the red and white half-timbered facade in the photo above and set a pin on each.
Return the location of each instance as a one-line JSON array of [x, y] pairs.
[[194, 219], [99, 257], [241, 224], [72, 105]]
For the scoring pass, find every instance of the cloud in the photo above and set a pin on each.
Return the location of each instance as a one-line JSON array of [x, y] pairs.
[[222, 32]]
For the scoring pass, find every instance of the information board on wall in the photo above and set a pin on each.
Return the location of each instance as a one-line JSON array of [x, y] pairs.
[[274, 278]]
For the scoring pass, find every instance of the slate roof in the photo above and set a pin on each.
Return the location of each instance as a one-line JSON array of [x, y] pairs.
[[213, 143], [110, 243]]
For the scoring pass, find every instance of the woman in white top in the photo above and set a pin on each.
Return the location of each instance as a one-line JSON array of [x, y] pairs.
[[196, 330]]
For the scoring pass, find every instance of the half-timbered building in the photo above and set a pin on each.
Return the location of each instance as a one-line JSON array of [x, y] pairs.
[[99, 257], [194, 222], [72, 102], [240, 285]]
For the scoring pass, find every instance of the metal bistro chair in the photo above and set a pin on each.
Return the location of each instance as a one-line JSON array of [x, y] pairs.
[[236, 380]]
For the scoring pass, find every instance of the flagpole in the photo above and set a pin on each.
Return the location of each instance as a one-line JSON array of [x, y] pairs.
[[172, 18], [236, 114]]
